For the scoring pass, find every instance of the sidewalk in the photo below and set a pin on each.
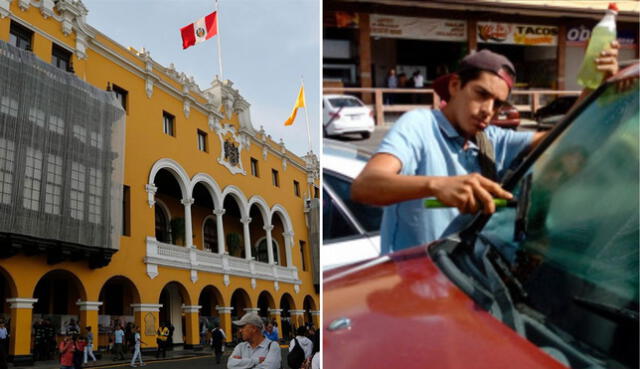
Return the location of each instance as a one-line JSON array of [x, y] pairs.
[[106, 360]]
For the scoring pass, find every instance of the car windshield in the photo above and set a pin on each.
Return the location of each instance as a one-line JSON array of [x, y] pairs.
[[345, 102], [575, 253]]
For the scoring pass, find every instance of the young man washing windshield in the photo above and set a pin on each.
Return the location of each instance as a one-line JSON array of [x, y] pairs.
[[439, 153]]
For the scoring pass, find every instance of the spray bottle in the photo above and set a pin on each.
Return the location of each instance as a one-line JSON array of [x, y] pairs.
[[601, 37]]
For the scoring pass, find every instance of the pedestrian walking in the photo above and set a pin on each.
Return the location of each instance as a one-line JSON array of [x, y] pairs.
[[256, 351], [270, 333], [4, 339], [297, 356], [217, 341], [161, 339], [136, 347], [66, 350], [88, 349], [118, 339], [79, 345]]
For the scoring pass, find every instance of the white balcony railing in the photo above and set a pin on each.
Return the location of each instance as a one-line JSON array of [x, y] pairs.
[[162, 254]]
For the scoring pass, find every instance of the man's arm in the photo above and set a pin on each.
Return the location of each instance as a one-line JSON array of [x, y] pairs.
[[608, 64], [380, 183], [273, 359], [237, 362]]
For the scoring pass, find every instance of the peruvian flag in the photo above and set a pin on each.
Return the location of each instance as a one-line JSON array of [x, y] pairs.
[[200, 30]]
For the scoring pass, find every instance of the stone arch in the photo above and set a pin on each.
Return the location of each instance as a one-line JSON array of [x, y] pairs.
[[309, 305], [287, 304], [240, 300], [240, 198], [121, 291], [265, 302], [57, 292], [172, 296], [176, 170], [262, 206], [210, 298], [284, 216], [287, 236], [8, 289], [211, 185]]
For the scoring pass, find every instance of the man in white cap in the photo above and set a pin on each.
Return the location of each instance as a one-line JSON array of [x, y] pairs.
[[256, 351]]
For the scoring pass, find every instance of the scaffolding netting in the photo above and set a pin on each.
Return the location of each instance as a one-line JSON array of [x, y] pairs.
[[61, 154]]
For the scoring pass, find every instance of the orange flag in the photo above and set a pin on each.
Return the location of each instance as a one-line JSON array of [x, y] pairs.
[[299, 104]]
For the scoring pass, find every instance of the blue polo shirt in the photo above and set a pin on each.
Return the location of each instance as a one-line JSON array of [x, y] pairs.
[[427, 145]]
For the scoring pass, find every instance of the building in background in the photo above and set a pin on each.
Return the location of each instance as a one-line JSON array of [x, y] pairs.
[[128, 194], [545, 40]]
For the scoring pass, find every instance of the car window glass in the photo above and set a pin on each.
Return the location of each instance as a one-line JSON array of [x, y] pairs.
[[580, 249], [345, 102], [368, 216], [334, 223]]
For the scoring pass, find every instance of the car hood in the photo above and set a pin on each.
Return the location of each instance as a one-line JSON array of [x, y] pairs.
[[405, 313]]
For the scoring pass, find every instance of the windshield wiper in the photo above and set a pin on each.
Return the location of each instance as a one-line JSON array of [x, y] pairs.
[[616, 314], [524, 200]]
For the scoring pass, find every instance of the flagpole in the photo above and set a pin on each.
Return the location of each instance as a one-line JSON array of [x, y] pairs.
[[218, 39], [306, 115]]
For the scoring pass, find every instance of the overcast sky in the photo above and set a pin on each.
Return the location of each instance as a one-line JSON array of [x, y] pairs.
[[266, 47]]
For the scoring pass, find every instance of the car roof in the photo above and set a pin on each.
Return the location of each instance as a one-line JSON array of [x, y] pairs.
[[343, 158], [340, 96]]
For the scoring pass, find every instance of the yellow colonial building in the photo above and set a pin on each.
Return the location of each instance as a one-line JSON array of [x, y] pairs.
[[129, 194]]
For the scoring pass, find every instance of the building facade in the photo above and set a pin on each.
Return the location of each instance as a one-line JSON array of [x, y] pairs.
[[128, 194], [545, 40]]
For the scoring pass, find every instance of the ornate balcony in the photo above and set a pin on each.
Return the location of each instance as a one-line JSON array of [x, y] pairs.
[[195, 260]]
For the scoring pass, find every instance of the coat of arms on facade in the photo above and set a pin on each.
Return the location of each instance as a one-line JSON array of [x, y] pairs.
[[231, 152]]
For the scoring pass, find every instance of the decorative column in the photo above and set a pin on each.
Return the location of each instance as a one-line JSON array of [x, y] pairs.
[[225, 321], [288, 242], [220, 229], [89, 317], [252, 310], [268, 229], [188, 229], [315, 315], [247, 237], [192, 320], [275, 315], [20, 342], [298, 318], [147, 318]]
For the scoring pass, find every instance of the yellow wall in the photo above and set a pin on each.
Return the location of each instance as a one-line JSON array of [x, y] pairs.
[[145, 144]]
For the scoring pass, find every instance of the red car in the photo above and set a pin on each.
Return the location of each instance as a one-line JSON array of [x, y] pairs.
[[550, 282], [507, 117]]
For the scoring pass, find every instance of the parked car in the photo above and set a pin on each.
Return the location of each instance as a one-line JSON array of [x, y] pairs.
[[507, 117], [550, 114], [549, 283], [350, 229], [342, 114]]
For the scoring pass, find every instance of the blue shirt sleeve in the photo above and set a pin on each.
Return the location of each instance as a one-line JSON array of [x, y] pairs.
[[405, 140]]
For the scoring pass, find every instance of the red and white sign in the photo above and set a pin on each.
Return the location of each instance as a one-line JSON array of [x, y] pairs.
[[517, 34], [200, 30], [417, 28]]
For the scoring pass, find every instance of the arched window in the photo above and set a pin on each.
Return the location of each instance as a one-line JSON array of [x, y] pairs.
[[163, 233], [210, 235], [263, 255]]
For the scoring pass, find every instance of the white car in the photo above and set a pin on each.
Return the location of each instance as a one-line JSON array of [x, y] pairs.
[[346, 114], [350, 230]]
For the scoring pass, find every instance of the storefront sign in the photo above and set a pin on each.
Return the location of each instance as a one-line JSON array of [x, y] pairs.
[[579, 36], [517, 34], [418, 28]]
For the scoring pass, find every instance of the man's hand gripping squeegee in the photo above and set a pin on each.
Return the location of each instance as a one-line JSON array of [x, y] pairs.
[[500, 203]]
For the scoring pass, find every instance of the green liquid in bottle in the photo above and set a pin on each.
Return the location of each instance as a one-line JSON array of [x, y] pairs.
[[601, 36]]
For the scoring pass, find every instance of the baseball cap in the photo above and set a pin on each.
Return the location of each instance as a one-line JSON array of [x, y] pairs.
[[250, 318], [484, 60]]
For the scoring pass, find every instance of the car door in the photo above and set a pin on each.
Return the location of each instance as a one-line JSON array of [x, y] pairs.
[[350, 230]]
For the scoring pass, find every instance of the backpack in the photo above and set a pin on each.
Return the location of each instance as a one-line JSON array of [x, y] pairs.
[[295, 357]]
